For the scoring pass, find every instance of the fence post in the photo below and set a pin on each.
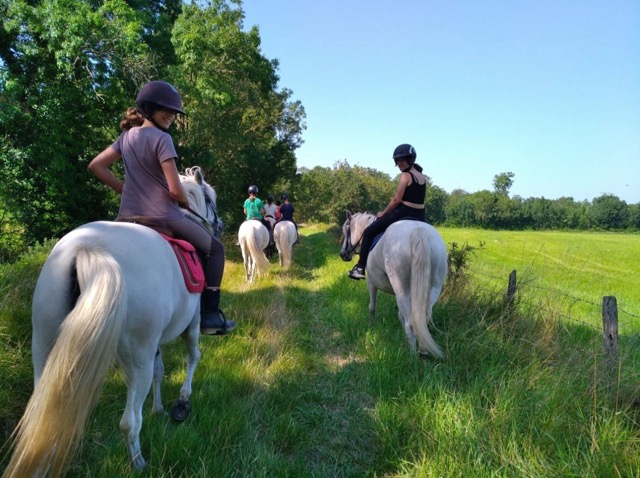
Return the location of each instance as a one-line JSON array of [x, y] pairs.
[[610, 328], [511, 290]]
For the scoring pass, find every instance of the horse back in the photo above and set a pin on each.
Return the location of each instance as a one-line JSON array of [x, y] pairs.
[[150, 273], [393, 253]]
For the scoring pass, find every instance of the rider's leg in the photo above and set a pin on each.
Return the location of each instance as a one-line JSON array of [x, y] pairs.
[[212, 319], [376, 227], [297, 235], [267, 224]]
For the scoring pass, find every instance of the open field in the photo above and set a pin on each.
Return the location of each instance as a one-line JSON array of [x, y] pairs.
[[306, 386], [572, 271]]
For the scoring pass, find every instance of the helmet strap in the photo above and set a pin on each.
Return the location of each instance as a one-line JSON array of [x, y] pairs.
[[147, 110]]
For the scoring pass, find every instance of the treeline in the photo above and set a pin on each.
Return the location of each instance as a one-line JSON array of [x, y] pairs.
[[70, 69], [323, 194]]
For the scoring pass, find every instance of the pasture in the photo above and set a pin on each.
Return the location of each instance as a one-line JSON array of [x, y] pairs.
[[307, 387]]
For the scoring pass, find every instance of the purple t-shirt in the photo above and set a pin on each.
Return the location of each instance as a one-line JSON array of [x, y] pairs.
[[146, 192]]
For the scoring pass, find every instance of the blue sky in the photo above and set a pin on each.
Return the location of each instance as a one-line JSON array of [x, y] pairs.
[[546, 89]]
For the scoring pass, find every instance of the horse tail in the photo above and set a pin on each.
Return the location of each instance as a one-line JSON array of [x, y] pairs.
[[259, 258], [53, 423], [284, 244], [420, 291]]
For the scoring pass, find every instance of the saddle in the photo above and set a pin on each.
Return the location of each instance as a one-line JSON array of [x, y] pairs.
[[189, 262], [186, 254]]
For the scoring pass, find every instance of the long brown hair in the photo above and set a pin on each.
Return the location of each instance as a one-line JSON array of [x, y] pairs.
[[132, 118]]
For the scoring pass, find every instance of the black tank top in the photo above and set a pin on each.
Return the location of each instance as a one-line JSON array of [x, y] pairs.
[[415, 192]]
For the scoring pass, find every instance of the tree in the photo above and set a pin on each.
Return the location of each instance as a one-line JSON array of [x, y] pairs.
[[502, 183], [608, 212], [435, 205], [242, 130], [460, 209], [68, 69]]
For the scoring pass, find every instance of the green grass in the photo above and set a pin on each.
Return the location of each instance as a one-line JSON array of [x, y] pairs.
[[575, 270], [306, 386]]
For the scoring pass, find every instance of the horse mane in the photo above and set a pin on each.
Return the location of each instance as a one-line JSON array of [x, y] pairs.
[[196, 187]]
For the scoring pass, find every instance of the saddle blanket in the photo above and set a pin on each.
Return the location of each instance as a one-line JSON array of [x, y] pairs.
[[190, 264]]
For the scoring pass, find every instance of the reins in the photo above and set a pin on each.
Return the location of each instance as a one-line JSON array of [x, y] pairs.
[[348, 235]]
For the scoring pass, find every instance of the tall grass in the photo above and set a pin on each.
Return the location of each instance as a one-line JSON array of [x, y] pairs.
[[306, 386]]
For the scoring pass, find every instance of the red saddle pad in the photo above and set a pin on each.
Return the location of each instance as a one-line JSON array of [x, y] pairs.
[[190, 264]]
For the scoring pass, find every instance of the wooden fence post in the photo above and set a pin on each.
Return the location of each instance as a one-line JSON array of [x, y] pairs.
[[610, 328], [511, 290]]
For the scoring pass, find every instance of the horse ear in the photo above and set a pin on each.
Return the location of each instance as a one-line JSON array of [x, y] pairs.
[[348, 213], [198, 174]]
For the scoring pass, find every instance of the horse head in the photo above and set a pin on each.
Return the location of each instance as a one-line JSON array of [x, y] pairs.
[[352, 231], [203, 200]]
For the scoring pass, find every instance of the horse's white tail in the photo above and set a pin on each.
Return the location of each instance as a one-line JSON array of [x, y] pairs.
[[284, 245], [257, 254], [54, 421], [420, 291]]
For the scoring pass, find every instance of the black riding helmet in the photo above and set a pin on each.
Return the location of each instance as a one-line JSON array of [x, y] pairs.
[[284, 196], [270, 198], [406, 152], [162, 94], [158, 94], [253, 189]]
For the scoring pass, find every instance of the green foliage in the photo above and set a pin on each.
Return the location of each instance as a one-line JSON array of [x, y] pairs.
[[242, 130], [323, 194], [502, 183], [608, 212], [69, 69], [458, 260]]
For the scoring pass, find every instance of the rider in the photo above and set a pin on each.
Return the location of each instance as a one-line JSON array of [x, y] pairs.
[[152, 190], [408, 202], [286, 213], [270, 209], [254, 209]]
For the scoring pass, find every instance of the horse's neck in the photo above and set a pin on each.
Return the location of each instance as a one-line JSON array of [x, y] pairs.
[[362, 223]]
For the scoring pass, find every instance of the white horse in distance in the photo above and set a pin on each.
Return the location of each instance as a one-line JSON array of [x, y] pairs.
[[285, 235], [253, 237]]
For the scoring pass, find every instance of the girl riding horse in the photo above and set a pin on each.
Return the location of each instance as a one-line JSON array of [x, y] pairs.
[[407, 203], [152, 189]]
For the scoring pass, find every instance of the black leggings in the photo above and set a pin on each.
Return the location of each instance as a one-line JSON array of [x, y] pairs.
[[205, 243], [380, 225]]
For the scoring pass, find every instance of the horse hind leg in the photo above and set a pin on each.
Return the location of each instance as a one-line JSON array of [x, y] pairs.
[[158, 373], [373, 300], [181, 409], [139, 380], [404, 315]]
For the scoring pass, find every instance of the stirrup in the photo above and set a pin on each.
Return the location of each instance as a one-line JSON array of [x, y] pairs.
[[227, 326], [356, 273]]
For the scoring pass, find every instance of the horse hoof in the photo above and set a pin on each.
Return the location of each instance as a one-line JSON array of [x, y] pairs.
[[180, 411]]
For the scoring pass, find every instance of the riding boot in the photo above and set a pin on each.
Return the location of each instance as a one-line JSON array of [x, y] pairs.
[[212, 319]]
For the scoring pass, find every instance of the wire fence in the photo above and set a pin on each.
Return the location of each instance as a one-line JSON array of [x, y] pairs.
[[606, 313]]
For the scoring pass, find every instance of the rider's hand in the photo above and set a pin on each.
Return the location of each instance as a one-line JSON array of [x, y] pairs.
[[379, 215]]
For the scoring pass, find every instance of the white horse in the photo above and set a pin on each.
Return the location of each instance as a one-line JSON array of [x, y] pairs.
[[254, 238], [410, 262], [285, 235], [107, 289]]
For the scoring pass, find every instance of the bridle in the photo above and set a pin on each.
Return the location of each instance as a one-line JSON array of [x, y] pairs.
[[216, 225], [348, 237]]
